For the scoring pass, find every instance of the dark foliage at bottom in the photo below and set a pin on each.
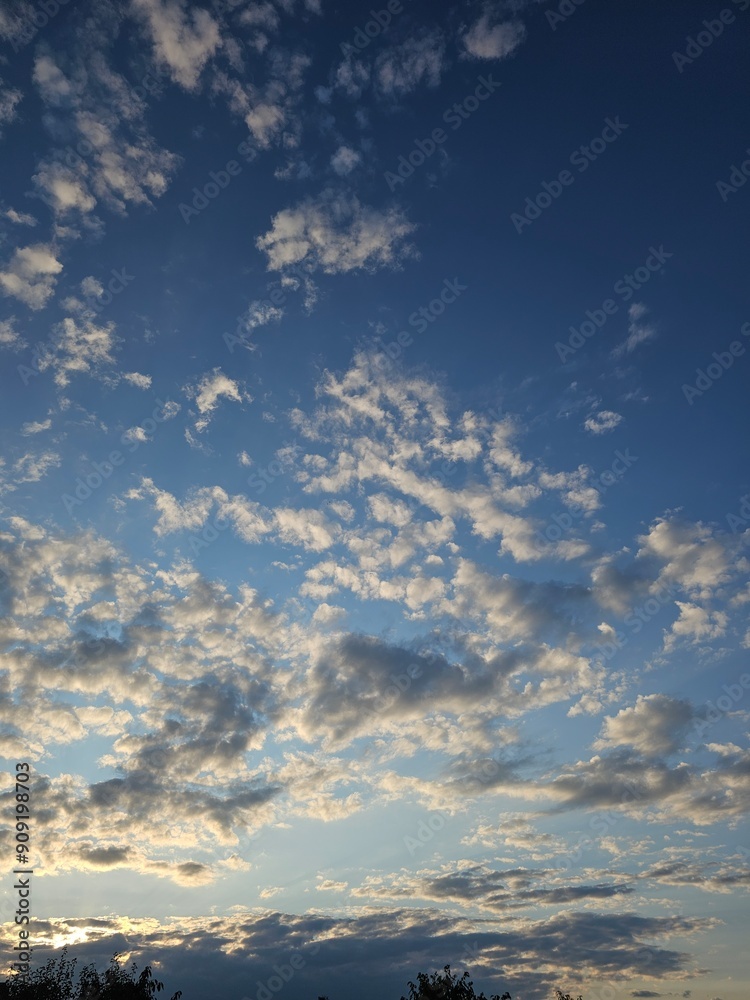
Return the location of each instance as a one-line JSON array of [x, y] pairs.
[[56, 981]]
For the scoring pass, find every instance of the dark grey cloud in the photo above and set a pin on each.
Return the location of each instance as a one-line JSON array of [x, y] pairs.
[[374, 954]]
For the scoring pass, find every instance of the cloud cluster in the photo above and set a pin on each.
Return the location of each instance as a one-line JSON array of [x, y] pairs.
[[336, 233], [30, 274], [390, 946]]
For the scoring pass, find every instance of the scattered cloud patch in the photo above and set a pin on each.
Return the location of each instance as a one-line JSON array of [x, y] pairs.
[[210, 389], [336, 233], [602, 421], [491, 36], [30, 275]]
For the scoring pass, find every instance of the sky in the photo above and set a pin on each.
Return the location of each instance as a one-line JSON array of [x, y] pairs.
[[374, 490]]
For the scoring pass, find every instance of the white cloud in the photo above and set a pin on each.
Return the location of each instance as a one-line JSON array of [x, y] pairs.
[[655, 725], [33, 467], [10, 338], [81, 346], [260, 313], [401, 68], [20, 218], [695, 625], [135, 434], [63, 189], [691, 557], [114, 160], [491, 38], [307, 527], [53, 85], [36, 426], [337, 233], [328, 614], [344, 160], [138, 380], [638, 331], [602, 421], [30, 275], [212, 387], [270, 109], [184, 37], [10, 98], [91, 287]]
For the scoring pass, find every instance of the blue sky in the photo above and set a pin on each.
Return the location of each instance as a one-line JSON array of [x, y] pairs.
[[374, 557]]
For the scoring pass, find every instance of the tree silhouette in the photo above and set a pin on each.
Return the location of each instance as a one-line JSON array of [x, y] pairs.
[[55, 981], [446, 985]]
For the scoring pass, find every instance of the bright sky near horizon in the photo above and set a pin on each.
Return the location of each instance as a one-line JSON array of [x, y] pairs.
[[374, 489]]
